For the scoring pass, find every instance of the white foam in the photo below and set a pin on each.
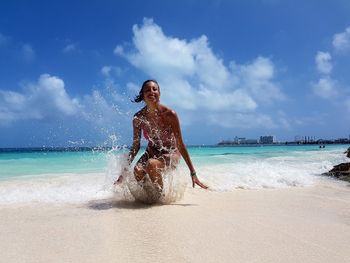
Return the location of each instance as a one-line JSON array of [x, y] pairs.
[[80, 188], [67, 188], [252, 172], [293, 169]]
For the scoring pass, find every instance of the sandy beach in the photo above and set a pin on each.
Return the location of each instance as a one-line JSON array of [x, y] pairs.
[[310, 224]]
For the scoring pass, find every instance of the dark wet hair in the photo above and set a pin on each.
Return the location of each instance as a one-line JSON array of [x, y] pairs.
[[139, 97]]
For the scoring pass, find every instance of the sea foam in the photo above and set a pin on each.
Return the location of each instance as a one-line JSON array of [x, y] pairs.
[[221, 172], [82, 188]]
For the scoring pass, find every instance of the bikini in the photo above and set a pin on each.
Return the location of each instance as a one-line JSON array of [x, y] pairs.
[[145, 134], [155, 149]]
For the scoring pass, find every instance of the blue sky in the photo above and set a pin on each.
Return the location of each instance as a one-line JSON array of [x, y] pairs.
[[228, 68]]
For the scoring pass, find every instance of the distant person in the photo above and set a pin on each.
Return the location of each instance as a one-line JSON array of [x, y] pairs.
[[161, 127]]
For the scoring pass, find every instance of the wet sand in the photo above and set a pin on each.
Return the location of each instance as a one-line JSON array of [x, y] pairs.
[[310, 224]]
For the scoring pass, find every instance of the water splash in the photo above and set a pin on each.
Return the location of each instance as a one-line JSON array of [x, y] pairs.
[[174, 184]]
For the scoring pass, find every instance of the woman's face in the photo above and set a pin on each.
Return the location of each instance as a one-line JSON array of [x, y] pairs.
[[151, 92]]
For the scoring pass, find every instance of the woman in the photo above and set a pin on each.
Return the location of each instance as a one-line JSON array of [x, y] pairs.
[[160, 126]]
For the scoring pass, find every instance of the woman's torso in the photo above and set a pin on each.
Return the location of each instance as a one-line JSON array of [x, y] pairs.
[[158, 131]]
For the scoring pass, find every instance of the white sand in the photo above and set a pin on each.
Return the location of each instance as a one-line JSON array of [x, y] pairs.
[[286, 225]]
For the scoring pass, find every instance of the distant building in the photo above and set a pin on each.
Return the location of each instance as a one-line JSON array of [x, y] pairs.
[[244, 140], [298, 138], [238, 141], [250, 141], [309, 139], [341, 140], [269, 139]]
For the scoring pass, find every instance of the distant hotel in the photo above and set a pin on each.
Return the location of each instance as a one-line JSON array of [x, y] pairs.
[[243, 140], [269, 139], [305, 139]]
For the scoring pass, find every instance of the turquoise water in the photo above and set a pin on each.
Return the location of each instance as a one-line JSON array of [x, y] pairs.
[[38, 163], [239, 153], [83, 176], [16, 164]]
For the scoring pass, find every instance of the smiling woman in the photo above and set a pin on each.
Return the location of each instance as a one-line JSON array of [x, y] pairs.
[[161, 127]]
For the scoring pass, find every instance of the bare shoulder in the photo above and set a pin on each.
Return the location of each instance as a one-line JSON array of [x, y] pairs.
[[140, 113], [138, 116], [170, 117], [168, 113]]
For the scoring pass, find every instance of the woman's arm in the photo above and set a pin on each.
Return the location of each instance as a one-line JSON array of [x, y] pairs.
[[175, 123], [136, 123]]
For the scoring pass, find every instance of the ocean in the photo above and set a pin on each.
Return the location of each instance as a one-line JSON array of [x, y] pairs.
[[82, 176]]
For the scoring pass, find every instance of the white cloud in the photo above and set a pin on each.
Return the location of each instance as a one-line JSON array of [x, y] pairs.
[[238, 100], [118, 50], [178, 92], [52, 88], [106, 70], [111, 71], [97, 110], [325, 88], [284, 120], [193, 78], [47, 99], [40, 100], [341, 41], [4, 40], [28, 53], [132, 88], [23, 52], [257, 78], [69, 48], [323, 64], [158, 54], [243, 120], [13, 106]]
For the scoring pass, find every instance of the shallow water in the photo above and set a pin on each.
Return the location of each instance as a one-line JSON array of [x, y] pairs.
[[77, 177]]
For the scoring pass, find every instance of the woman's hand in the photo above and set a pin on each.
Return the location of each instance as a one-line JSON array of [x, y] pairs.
[[121, 177], [119, 180], [195, 181]]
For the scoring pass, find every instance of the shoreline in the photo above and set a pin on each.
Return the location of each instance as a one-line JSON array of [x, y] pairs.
[[102, 149], [300, 224]]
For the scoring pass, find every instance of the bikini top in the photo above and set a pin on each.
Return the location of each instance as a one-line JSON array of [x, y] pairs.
[[147, 137], [145, 134]]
